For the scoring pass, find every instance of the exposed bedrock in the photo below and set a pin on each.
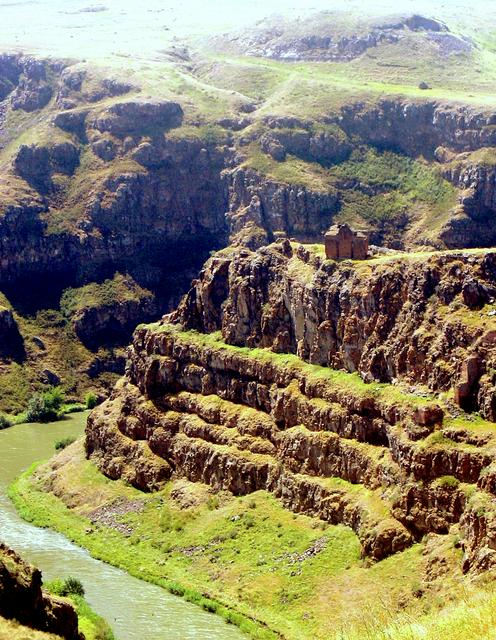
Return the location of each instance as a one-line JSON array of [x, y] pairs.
[[23, 599], [386, 320], [261, 209], [158, 225], [113, 323], [24, 80], [419, 127], [386, 463]]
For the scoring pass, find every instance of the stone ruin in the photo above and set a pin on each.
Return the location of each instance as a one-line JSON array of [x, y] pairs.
[[343, 242]]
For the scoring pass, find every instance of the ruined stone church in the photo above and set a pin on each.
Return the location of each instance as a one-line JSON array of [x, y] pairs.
[[343, 242]]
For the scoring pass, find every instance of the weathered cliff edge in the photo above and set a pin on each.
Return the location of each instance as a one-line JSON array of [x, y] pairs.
[[109, 180], [325, 444], [23, 599], [426, 318]]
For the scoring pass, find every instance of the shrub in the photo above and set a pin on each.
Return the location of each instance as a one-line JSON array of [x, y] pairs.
[[72, 587], [213, 503], [91, 400], [4, 421], [63, 443], [46, 406], [448, 482], [68, 587]]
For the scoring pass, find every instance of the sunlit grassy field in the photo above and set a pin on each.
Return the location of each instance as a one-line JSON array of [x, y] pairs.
[[248, 557]]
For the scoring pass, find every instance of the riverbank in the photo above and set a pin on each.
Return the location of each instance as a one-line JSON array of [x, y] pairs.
[[107, 588], [29, 605], [67, 408], [93, 626], [290, 572]]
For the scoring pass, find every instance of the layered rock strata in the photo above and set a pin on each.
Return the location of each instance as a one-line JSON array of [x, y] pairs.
[[419, 319], [389, 464]]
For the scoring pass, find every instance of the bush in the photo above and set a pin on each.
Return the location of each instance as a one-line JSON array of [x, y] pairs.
[[4, 422], [72, 587], [63, 443], [91, 400], [68, 587], [46, 406]]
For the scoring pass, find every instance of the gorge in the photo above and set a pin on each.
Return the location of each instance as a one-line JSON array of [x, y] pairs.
[[299, 442]]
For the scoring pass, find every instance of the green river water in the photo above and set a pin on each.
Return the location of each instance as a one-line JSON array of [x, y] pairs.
[[136, 610]]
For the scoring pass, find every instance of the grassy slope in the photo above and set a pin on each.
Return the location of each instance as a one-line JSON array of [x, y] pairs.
[[244, 553], [409, 191], [63, 354], [93, 626]]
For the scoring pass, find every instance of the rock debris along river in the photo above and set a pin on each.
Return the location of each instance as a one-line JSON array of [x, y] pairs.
[[135, 609]]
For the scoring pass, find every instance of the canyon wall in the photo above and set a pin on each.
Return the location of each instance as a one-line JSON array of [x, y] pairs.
[[417, 319], [320, 382]]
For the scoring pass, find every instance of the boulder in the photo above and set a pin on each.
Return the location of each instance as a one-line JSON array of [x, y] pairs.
[[23, 599], [138, 117]]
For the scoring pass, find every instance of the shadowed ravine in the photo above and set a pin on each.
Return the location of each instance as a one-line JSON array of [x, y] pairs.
[[136, 610]]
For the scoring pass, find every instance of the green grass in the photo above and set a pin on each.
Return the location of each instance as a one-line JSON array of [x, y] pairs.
[[413, 181], [93, 626], [238, 557], [292, 171], [121, 289]]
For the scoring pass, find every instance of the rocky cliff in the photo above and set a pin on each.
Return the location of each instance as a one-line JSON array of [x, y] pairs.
[[23, 599], [108, 178], [419, 318], [330, 385]]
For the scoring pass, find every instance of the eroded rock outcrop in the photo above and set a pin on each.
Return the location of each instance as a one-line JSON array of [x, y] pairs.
[[418, 320], [23, 599], [255, 386], [387, 463]]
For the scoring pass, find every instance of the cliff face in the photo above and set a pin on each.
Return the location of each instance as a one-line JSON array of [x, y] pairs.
[[23, 599], [261, 208], [419, 127], [417, 319], [123, 225], [390, 464]]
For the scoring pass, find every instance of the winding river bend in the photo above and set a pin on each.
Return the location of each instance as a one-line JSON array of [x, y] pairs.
[[135, 609]]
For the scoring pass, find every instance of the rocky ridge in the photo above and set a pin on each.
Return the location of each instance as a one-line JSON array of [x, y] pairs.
[[330, 36], [239, 393], [23, 599]]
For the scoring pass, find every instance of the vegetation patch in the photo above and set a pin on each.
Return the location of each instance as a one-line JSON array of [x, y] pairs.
[[254, 561], [120, 289]]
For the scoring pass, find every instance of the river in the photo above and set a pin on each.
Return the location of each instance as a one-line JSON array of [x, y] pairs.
[[135, 609]]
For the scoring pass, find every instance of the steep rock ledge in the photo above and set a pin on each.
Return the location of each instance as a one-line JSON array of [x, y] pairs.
[[326, 443], [23, 599], [413, 318]]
